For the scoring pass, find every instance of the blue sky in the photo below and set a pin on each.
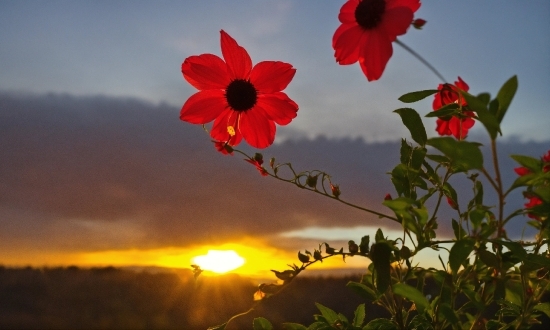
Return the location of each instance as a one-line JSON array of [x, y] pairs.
[[135, 48]]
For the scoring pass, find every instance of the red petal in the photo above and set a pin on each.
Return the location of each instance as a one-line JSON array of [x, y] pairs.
[[278, 107], [271, 76], [442, 127], [347, 12], [203, 107], [346, 43], [236, 57], [219, 129], [205, 71], [256, 128], [459, 128], [462, 85], [375, 54], [411, 4], [396, 21]]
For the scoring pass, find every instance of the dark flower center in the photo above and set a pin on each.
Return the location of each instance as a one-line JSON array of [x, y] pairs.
[[369, 13], [241, 95]]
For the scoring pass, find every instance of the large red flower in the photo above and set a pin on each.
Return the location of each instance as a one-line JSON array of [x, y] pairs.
[[456, 126], [368, 29], [243, 101]]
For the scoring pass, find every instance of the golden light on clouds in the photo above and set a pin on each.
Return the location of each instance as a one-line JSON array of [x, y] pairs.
[[219, 261]]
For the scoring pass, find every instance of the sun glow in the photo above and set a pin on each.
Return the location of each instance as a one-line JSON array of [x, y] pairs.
[[219, 261]]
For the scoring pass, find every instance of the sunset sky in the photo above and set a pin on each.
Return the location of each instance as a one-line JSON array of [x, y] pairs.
[[97, 169]]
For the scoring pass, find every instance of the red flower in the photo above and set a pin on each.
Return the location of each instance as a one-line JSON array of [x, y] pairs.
[[458, 127], [243, 101], [367, 31], [521, 171], [258, 164], [533, 201]]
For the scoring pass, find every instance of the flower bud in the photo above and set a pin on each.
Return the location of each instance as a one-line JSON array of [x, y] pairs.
[[452, 203], [387, 197], [418, 23], [311, 181], [335, 190], [353, 248]]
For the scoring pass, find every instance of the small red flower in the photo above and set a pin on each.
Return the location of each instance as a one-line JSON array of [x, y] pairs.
[[418, 23], [521, 171], [223, 147], [533, 201], [243, 101], [258, 164], [458, 127], [368, 29]]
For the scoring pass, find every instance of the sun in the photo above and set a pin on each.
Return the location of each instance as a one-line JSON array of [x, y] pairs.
[[219, 261]]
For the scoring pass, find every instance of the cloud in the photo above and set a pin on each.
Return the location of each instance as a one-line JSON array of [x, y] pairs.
[[92, 173]]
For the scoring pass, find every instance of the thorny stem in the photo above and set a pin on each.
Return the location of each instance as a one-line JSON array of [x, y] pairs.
[[421, 59]]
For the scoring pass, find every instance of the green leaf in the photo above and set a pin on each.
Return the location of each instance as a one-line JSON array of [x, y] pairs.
[[484, 97], [260, 323], [293, 326], [517, 250], [362, 290], [359, 316], [412, 121], [543, 307], [483, 115], [329, 315], [488, 258], [320, 326], [380, 324], [416, 96], [464, 155], [460, 252], [505, 96], [514, 292], [445, 111], [413, 294], [543, 192], [450, 192], [533, 164]]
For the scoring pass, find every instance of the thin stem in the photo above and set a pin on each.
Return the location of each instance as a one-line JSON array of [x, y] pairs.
[[488, 176], [499, 185], [421, 59]]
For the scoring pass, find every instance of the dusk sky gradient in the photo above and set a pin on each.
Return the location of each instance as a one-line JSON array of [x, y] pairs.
[[95, 159]]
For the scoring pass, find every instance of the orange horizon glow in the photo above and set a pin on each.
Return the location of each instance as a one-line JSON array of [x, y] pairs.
[[259, 258]]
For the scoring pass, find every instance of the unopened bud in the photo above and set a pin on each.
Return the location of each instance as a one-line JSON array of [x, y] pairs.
[[387, 197], [335, 190], [418, 23]]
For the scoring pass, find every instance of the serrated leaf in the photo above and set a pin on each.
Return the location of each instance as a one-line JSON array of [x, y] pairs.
[[359, 316], [460, 252], [412, 121], [329, 315], [413, 294], [261, 323], [416, 96], [505, 96]]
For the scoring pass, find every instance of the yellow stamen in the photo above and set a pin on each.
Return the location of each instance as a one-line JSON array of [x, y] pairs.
[[231, 130]]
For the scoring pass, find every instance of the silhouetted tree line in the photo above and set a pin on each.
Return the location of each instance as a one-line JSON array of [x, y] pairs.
[[111, 298]]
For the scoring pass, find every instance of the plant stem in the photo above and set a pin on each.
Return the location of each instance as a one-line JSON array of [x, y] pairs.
[[421, 59]]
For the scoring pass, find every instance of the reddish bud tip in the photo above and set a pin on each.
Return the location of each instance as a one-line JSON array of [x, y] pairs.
[[387, 197], [452, 203], [418, 23], [335, 190]]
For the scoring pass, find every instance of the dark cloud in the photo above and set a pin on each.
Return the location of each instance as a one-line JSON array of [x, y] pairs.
[[99, 173]]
